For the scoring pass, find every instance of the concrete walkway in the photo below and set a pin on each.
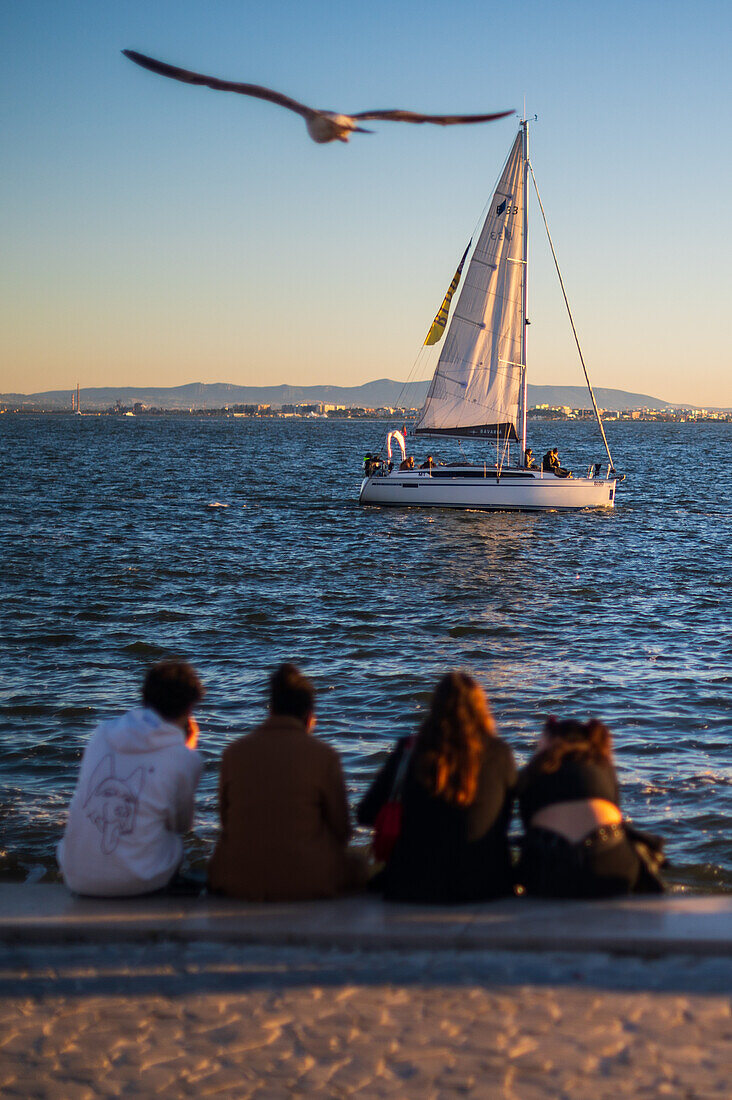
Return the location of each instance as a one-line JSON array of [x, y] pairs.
[[690, 925], [517, 1000]]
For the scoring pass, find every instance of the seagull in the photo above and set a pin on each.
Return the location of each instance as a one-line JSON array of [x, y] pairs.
[[323, 126]]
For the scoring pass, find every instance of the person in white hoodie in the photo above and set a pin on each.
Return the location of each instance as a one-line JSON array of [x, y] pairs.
[[135, 793]]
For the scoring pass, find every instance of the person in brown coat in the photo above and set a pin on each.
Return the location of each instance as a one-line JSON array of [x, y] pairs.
[[283, 806]]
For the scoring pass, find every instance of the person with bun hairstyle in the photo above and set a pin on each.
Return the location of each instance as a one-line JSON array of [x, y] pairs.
[[577, 843], [283, 806], [457, 795]]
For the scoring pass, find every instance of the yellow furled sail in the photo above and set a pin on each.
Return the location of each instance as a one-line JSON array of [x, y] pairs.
[[438, 325]]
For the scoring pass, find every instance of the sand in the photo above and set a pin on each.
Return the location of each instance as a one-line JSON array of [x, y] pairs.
[[196, 1019]]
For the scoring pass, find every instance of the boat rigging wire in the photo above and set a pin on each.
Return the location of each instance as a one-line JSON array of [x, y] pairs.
[[571, 320]]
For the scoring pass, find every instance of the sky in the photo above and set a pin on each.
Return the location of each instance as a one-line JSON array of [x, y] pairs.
[[155, 233]]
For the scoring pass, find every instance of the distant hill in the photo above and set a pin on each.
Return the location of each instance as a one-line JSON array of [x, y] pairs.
[[383, 392], [577, 397], [202, 395]]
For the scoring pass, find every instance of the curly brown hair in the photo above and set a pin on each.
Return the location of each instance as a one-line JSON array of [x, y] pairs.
[[451, 740], [589, 741]]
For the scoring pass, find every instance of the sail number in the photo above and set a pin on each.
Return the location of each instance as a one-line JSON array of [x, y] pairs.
[[504, 233]]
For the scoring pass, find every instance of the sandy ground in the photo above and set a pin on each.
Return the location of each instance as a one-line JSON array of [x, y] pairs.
[[202, 1020]]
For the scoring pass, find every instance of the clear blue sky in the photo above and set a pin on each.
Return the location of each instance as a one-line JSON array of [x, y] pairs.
[[155, 233]]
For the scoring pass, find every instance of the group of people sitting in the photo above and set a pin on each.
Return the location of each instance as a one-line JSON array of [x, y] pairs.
[[428, 464], [550, 463], [373, 463], [445, 796]]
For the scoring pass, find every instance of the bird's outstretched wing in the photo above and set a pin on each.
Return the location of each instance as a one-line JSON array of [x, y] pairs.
[[438, 120], [188, 77], [323, 126]]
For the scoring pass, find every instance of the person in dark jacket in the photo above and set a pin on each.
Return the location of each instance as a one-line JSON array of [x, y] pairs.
[[283, 806], [552, 464], [576, 843], [457, 796]]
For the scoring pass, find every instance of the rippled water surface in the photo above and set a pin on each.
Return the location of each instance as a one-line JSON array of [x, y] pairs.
[[238, 544]]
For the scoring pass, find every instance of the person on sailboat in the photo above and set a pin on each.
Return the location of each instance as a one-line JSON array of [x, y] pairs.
[[371, 464], [407, 464], [529, 463], [428, 463], [552, 464]]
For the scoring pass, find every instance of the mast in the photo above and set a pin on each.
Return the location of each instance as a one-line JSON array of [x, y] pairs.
[[525, 292]]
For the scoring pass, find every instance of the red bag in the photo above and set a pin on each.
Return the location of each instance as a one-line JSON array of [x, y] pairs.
[[388, 821], [387, 827]]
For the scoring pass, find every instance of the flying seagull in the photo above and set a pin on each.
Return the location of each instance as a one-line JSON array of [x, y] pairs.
[[323, 126]]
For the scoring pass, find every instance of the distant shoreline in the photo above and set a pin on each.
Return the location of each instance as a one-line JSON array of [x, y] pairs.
[[382, 396], [673, 416]]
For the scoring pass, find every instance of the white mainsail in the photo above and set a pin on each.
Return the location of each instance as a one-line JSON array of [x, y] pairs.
[[476, 385]]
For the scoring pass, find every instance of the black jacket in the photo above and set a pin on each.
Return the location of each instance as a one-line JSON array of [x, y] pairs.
[[448, 853]]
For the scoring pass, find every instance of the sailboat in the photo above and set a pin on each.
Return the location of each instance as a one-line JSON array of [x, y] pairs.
[[479, 389]]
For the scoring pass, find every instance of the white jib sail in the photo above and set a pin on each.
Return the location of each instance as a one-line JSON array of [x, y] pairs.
[[475, 388]]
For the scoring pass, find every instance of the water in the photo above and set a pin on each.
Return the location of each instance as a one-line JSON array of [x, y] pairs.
[[238, 544]]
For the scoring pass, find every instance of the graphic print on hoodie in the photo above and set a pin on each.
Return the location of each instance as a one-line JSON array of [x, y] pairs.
[[111, 802], [133, 802]]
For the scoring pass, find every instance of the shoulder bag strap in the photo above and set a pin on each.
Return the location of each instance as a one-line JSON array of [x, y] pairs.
[[396, 787]]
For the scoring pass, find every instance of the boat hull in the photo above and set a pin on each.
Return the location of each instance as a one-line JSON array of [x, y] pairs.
[[512, 490]]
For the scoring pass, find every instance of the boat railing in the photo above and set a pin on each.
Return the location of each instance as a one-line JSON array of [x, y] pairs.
[[594, 472]]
